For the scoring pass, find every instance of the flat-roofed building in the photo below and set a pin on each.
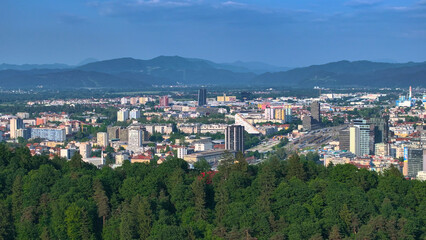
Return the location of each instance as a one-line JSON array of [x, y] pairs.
[[234, 138], [203, 146], [68, 153], [316, 112], [202, 97], [102, 139], [181, 152], [164, 101], [113, 132], [212, 157], [23, 115], [360, 138], [85, 150], [135, 114], [51, 134], [122, 115], [15, 124], [135, 137], [413, 162], [344, 140], [23, 133], [225, 98], [381, 149], [97, 161], [120, 158]]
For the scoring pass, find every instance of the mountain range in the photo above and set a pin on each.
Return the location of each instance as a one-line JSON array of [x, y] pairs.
[[175, 70]]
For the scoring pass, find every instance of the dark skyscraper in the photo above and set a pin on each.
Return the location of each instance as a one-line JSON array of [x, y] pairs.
[[380, 128], [413, 162], [234, 138], [344, 140], [202, 97], [314, 121], [315, 112]]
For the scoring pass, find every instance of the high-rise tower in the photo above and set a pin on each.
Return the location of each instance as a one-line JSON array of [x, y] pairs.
[[359, 137], [102, 139], [315, 112], [202, 97], [15, 124], [234, 138]]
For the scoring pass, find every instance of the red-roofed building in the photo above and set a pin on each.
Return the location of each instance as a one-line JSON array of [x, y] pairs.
[[141, 158], [219, 146], [358, 165], [170, 153]]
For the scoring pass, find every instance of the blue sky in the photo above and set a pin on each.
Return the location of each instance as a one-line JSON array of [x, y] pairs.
[[283, 33]]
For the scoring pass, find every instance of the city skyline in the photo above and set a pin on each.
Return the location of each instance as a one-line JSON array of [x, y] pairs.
[[213, 119], [289, 34]]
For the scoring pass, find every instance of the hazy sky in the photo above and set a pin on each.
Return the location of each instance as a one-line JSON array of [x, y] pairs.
[[279, 32]]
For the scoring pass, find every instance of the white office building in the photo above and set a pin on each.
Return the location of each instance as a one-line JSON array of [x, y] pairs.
[[135, 114], [203, 146], [359, 138], [85, 150], [23, 115], [51, 134], [135, 137], [15, 124], [68, 153], [123, 115], [102, 139], [269, 113], [181, 152]]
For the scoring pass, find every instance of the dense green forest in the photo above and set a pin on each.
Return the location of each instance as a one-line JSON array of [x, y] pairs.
[[291, 199]]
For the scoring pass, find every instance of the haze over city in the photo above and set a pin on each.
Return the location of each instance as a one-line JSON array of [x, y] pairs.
[[282, 33]]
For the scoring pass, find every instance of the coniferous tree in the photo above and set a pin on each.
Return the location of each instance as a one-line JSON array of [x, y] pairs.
[[143, 216], [335, 233], [202, 165], [26, 228], [267, 184], [74, 222], [101, 200], [17, 198], [6, 222], [45, 234], [76, 161], [346, 216], [295, 168], [221, 198], [199, 191], [226, 164], [128, 223], [86, 227]]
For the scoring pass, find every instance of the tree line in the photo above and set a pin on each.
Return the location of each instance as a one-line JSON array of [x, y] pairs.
[[296, 198]]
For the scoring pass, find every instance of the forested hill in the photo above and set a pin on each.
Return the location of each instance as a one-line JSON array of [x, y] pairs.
[[292, 199], [349, 74], [126, 73]]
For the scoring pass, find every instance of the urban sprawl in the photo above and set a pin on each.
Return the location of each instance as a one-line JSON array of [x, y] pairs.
[[365, 129]]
